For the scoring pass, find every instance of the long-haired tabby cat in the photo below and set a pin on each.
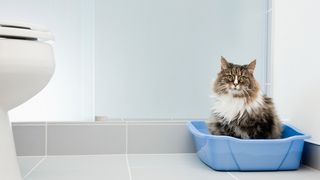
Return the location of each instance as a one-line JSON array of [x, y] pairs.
[[240, 109]]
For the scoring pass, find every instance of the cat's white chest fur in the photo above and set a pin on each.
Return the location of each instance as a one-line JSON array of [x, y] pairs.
[[229, 107]]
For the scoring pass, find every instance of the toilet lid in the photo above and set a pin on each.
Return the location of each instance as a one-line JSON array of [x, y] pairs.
[[24, 31]]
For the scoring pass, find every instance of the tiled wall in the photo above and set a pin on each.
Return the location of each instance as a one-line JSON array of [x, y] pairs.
[[311, 155], [115, 137], [30, 138]]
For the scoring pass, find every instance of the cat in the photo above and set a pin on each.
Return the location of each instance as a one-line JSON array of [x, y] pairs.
[[240, 109]]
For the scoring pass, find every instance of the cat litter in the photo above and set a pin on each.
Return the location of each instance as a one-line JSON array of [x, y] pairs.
[[225, 153]]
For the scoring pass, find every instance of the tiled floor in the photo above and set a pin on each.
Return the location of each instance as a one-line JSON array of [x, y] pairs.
[[140, 167]]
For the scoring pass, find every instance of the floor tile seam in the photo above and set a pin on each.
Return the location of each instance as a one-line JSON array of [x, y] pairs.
[[126, 154], [233, 176], [120, 154], [128, 167], [34, 167]]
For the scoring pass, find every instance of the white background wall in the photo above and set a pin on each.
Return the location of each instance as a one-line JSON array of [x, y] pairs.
[[296, 73], [70, 94], [156, 59]]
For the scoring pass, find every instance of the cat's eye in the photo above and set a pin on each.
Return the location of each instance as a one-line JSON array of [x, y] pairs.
[[243, 79], [229, 77]]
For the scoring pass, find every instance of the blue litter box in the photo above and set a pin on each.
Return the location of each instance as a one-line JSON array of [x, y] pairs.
[[225, 153]]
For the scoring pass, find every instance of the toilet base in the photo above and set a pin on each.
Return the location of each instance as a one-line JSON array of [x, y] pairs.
[[9, 168]]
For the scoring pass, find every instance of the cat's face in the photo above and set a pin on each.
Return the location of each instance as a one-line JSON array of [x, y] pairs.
[[236, 80]]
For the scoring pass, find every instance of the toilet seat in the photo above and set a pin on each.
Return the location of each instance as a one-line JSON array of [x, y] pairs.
[[24, 31]]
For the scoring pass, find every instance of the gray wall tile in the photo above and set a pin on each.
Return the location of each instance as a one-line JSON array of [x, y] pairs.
[[29, 139], [159, 138], [86, 139], [311, 155]]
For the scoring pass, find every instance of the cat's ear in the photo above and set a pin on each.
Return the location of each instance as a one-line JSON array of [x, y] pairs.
[[224, 63], [252, 66]]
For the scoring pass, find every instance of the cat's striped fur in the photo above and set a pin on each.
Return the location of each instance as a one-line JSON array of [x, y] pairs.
[[240, 109]]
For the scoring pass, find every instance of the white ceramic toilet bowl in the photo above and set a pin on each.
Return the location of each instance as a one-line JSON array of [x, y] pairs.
[[26, 66]]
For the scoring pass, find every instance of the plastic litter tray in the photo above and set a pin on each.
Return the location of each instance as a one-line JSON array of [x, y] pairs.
[[225, 153]]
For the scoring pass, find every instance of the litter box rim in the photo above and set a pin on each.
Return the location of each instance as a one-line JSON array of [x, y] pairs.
[[197, 133]]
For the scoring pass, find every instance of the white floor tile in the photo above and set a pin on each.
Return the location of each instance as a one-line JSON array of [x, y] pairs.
[[172, 166], [26, 163], [102, 167], [304, 173], [143, 167]]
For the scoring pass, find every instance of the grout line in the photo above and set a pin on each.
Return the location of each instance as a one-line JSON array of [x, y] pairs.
[[158, 121], [35, 156], [34, 167], [128, 166], [158, 124], [233, 176], [116, 123], [83, 155], [89, 124], [89, 155], [164, 154], [17, 125], [161, 119], [108, 122], [127, 158]]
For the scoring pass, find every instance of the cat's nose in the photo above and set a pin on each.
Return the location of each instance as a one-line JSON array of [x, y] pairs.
[[235, 82], [236, 85]]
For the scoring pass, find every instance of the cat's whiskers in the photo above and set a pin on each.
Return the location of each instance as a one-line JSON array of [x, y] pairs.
[[246, 93]]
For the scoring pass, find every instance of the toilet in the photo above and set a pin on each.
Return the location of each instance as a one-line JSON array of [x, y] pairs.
[[26, 66]]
